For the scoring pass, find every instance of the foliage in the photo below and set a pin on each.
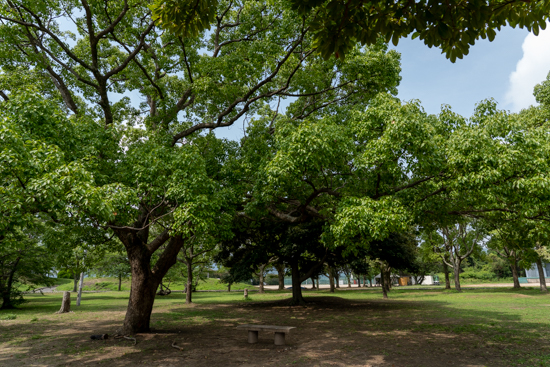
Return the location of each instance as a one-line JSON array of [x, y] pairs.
[[338, 25]]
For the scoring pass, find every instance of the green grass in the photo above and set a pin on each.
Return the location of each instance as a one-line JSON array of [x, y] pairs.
[[510, 323], [111, 284]]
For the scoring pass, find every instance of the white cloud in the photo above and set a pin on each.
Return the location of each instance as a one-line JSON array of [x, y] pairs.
[[530, 70]]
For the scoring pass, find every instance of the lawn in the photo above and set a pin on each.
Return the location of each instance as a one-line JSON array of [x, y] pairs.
[[422, 327], [111, 284]]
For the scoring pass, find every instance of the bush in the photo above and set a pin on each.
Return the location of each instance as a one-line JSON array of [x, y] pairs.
[[478, 274]]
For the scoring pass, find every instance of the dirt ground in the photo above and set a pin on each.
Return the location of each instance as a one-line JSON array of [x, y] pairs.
[[331, 331]]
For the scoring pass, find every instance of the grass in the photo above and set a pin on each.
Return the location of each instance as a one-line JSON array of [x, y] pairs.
[[511, 326], [111, 284]]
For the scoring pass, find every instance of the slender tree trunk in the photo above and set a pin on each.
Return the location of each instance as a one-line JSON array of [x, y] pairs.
[[297, 298], [80, 286], [358, 282], [447, 279], [75, 281], [229, 287], [542, 279], [456, 269], [383, 283], [348, 277], [331, 279], [312, 282], [281, 275], [119, 282], [337, 278], [364, 281], [515, 276], [6, 294], [261, 276], [189, 293]]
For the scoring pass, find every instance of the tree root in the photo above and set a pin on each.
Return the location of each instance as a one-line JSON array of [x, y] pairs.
[[175, 346], [125, 337]]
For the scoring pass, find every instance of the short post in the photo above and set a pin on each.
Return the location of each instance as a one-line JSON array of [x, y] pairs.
[[252, 336], [66, 303], [245, 297], [279, 338]]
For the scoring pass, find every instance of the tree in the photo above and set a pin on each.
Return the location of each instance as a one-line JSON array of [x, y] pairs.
[[114, 265], [148, 179], [337, 26], [456, 241]]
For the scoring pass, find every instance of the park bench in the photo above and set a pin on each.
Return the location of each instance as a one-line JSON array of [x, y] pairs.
[[279, 331]]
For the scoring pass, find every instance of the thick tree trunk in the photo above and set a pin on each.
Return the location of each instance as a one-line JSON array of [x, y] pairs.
[[331, 279], [297, 298], [337, 279], [515, 276], [75, 281], [358, 282], [281, 275], [447, 279], [119, 282], [145, 280], [66, 303], [189, 286], [349, 281], [542, 279], [456, 269]]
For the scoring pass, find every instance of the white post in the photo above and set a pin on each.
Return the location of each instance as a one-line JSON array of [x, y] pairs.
[[80, 289]]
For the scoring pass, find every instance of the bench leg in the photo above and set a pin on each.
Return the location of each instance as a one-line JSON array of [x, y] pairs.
[[279, 338], [252, 336]]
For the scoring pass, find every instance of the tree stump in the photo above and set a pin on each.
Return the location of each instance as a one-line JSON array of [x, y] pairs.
[[245, 293], [66, 303]]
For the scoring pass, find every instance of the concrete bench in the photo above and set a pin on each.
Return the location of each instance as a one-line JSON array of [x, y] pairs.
[[279, 331]]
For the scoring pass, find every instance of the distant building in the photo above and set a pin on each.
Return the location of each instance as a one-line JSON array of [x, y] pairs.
[[532, 274]]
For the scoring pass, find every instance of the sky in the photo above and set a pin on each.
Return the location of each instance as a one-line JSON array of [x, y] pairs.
[[506, 69]]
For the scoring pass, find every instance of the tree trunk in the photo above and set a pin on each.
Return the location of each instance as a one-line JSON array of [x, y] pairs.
[[297, 298], [358, 282], [145, 280], [80, 286], [364, 281], [383, 283], [456, 269], [7, 293], [281, 275], [312, 282], [261, 276], [542, 279], [514, 266], [446, 271], [66, 303], [229, 287], [140, 304], [119, 282], [349, 281], [189, 293], [337, 278], [331, 279], [75, 281]]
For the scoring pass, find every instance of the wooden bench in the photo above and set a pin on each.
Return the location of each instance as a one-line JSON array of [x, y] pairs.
[[279, 331]]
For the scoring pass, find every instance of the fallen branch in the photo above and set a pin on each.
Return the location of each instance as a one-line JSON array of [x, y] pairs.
[[130, 338], [175, 346]]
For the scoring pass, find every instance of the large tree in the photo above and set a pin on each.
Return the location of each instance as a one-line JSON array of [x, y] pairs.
[[149, 179]]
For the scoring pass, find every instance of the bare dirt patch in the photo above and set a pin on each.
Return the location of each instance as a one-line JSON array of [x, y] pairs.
[[331, 331]]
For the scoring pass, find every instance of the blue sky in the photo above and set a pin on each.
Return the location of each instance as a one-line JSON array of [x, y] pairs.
[[506, 69]]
